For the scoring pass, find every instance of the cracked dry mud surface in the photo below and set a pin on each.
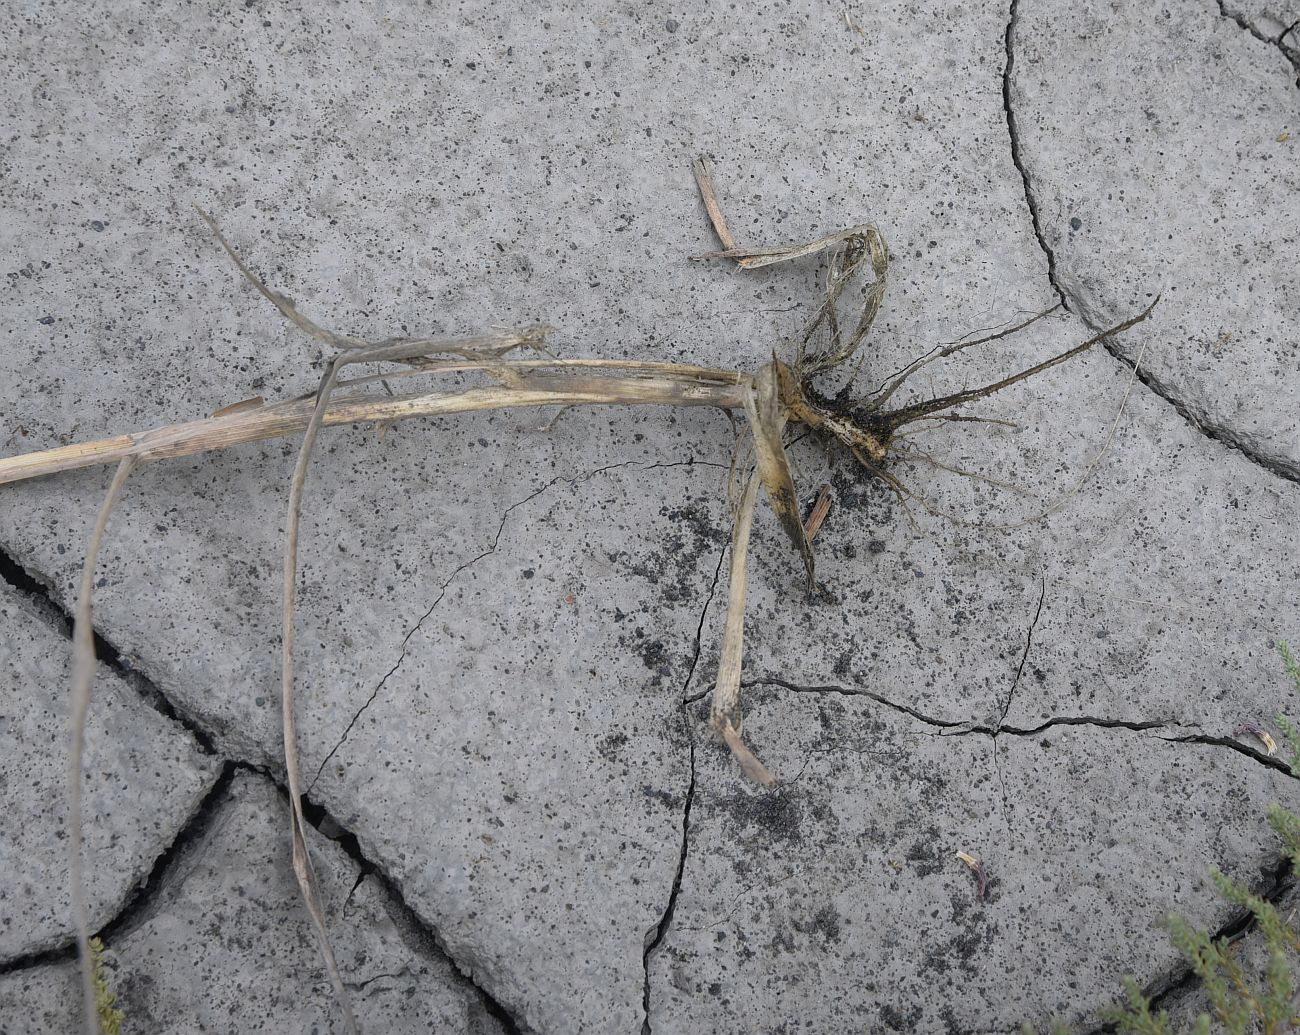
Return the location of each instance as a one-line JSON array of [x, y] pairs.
[[1195, 122], [507, 636], [228, 910]]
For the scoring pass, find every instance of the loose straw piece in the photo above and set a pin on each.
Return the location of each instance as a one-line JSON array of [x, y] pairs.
[[754, 258], [704, 180], [821, 508], [302, 866], [490, 352]]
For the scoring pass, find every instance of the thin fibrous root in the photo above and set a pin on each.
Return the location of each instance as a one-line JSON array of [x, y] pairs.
[[895, 419], [896, 381], [923, 457]]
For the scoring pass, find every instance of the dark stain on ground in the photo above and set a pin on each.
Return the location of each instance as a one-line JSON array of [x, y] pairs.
[[776, 813], [611, 745], [677, 566], [658, 794], [697, 519], [856, 488], [972, 931], [924, 855], [898, 1020], [824, 925], [655, 656]]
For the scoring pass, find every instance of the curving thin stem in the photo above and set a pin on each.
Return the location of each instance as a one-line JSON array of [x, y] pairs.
[[83, 682]]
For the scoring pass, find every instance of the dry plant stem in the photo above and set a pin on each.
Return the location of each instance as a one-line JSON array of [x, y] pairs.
[[287, 418], [767, 418], [629, 365], [83, 681], [777, 394], [754, 258], [285, 305], [302, 866], [486, 352], [725, 715]]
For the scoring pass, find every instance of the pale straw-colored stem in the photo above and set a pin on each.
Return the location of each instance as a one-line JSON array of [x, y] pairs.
[[83, 682], [288, 418]]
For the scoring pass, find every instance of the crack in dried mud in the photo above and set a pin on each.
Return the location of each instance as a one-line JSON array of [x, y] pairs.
[[1018, 160], [1216, 433], [954, 728], [656, 934], [108, 654], [571, 480], [138, 907], [1241, 925], [1291, 56]]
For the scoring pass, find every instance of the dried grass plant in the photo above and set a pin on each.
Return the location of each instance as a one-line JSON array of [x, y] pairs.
[[782, 392]]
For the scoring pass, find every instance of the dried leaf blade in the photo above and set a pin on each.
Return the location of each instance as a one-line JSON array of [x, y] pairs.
[[767, 419], [725, 715]]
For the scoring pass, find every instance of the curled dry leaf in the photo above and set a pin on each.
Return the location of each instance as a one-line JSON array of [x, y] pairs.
[[977, 868], [1260, 734]]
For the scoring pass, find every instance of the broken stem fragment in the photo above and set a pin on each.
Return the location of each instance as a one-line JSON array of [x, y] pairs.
[[817, 516]]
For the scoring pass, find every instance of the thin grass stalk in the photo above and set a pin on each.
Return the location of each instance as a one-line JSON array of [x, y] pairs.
[[302, 867], [486, 351], [83, 682]]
